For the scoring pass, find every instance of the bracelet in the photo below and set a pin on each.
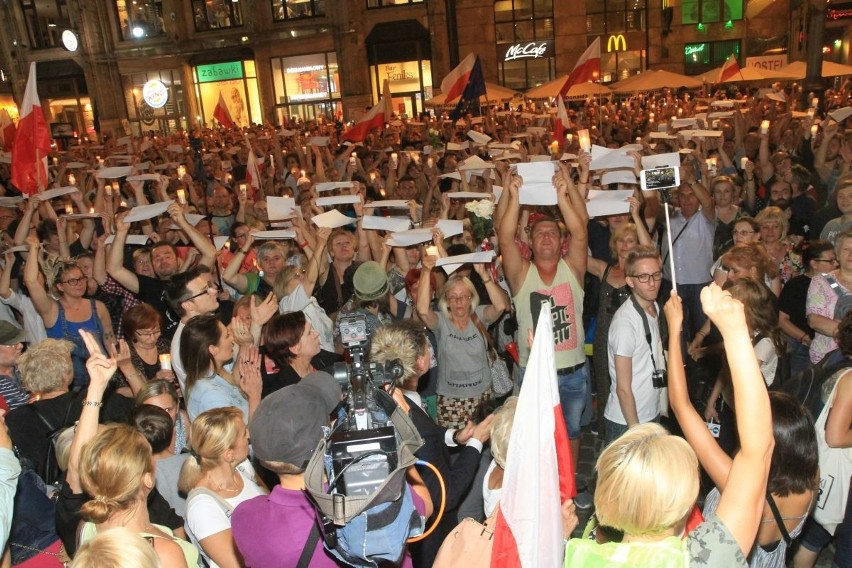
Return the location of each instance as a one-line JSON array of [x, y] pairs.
[[487, 281], [96, 403], [243, 251], [455, 437]]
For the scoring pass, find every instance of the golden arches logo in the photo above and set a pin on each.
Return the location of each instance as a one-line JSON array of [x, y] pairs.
[[616, 43]]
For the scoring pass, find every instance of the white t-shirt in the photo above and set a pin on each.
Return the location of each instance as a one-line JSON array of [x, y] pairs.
[[627, 339], [205, 516], [765, 352]]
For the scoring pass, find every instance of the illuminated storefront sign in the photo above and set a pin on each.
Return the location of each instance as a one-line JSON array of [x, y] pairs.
[[236, 82], [155, 93], [219, 72], [616, 42], [531, 50]]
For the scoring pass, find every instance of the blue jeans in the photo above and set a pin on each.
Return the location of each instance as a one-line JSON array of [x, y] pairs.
[[800, 359], [815, 538], [573, 392], [614, 430]]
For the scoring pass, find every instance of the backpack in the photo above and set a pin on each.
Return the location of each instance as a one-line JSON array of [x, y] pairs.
[[806, 387], [670, 552], [844, 299]]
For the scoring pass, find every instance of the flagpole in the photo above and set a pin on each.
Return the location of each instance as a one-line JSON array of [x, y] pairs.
[[38, 170]]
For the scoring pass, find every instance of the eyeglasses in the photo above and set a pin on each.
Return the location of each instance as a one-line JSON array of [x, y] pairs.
[[454, 299], [149, 333], [74, 281], [241, 235], [744, 233], [828, 260], [209, 288], [644, 278]]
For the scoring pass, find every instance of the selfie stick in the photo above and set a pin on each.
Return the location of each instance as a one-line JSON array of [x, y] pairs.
[[664, 194]]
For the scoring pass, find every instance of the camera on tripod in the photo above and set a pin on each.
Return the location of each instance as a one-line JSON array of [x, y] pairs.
[[363, 447]]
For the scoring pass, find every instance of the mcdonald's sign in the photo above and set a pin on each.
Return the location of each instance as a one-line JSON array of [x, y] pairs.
[[616, 42]]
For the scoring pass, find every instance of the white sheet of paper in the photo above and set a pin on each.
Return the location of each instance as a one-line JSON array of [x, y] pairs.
[[11, 201], [376, 223], [139, 240], [74, 216], [332, 185], [116, 172], [144, 212], [618, 176], [219, 241], [76, 165], [721, 114], [663, 136], [56, 192], [274, 235], [337, 200], [194, 218], [603, 203], [841, 114], [475, 163], [606, 158], [19, 248], [473, 257], [468, 195], [389, 203], [287, 133], [280, 207], [144, 177], [538, 183], [478, 137], [669, 160], [318, 141], [684, 122], [451, 175], [332, 219], [455, 146], [498, 191], [722, 104], [702, 133], [176, 148]]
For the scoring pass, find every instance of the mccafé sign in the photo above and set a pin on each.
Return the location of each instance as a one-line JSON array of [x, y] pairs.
[[531, 50], [616, 42]]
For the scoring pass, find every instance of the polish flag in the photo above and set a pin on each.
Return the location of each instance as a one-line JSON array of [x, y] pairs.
[[32, 142], [729, 70], [376, 117], [561, 122], [7, 130], [253, 170], [588, 67], [221, 113], [539, 474], [456, 80]]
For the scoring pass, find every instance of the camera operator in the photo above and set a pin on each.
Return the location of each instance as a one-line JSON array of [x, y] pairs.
[[637, 366], [279, 529], [406, 342]]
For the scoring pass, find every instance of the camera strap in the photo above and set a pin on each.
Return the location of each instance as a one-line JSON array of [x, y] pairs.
[[647, 327]]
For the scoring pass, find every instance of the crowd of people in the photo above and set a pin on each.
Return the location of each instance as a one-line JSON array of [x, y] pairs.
[[170, 308]]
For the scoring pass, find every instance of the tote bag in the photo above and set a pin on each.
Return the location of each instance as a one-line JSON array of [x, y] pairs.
[[835, 469]]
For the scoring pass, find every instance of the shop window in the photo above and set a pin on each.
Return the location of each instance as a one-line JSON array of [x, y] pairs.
[[386, 3], [618, 65], [700, 57], [709, 11], [283, 10], [162, 116], [216, 14], [306, 85], [46, 20], [525, 47], [139, 18], [615, 16], [236, 82]]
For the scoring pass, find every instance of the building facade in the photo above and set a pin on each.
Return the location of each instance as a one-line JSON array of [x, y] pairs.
[[133, 66]]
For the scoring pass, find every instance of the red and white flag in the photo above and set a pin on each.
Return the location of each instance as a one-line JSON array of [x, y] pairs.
[[32, 142], [7, 130], [253, 169], [221, 113], [539, 474], [456, 80], [561, 123], [588, 67], [729, 70], [376, 117]]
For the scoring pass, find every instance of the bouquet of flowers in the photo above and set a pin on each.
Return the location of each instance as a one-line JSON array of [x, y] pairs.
[[481, 222], [434, 137]]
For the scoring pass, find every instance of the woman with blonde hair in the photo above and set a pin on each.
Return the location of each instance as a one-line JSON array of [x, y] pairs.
[[460, 327], [115, 467], [216, 479], [116, 548], [162, 394], [648, 480], [773, 234]]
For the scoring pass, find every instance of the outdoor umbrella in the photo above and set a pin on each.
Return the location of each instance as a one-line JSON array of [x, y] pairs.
[[798, 69]]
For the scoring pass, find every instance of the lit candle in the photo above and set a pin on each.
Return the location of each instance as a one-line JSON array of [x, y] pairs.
[[55, 161], [166, 362], [554, 147], [72, 180], [91, 210], [743, 162], [181, 171], [243, 189], [394, 157], [583, 137], [181, 195], [680, 112], [123, 203], [815, 102], [811, 112], [115, 186], [69, 209], [814, 130], [429, 162], [651, 116], [569, 137], [303, 173], [229, 178], [352, 161], [764, 127]]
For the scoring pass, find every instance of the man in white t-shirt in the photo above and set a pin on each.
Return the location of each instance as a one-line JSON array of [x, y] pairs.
[[637, 366]]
